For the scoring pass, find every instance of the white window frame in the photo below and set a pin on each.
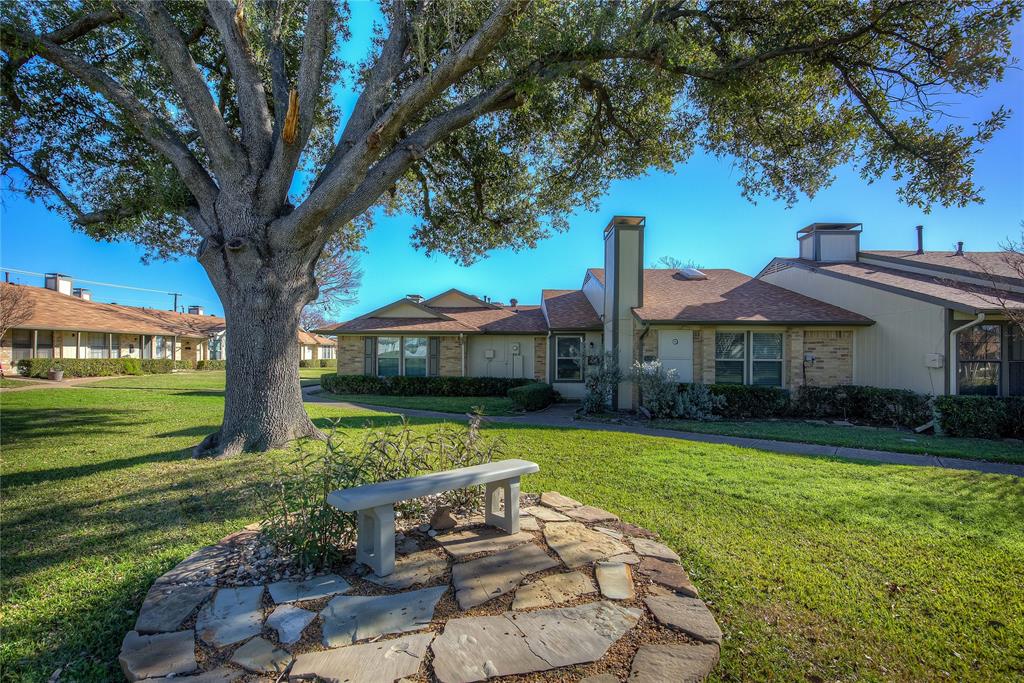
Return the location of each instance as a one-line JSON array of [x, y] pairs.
[[426, 358], [780, 360], [744, 360], [581, 357]]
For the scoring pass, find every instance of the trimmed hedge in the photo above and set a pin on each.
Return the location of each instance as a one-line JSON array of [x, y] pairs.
[[307, 363], [420, 386], [890, 407], [184, 365], [326, 362], [743, 401], [534, 396], [212, 365], [94, 367], [986, 417]]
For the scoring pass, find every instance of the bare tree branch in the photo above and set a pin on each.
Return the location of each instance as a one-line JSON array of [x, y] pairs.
[[16, 307]]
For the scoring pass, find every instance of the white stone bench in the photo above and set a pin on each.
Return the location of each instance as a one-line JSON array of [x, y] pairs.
[[375, 504]]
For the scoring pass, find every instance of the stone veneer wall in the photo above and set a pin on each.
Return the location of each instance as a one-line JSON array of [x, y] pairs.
[[834, 357], [350, 355], [451, 357], [540, 359]]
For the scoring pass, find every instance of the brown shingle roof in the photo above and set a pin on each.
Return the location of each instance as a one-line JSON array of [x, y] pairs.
[[978, 262], [728, 296], [501, 320], [569, 309], [941, 290]]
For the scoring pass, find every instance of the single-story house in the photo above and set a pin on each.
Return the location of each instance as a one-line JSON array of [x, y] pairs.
[[710, 326], [940, 316], [64, 322]]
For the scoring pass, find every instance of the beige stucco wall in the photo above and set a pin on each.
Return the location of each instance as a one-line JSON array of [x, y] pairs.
[[890, 353]]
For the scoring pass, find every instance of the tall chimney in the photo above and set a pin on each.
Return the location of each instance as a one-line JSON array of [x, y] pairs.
[[58, 282], [920, 239], [959, 249], [623, 291]]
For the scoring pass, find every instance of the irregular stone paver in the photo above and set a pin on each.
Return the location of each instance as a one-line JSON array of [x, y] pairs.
[[219, 675], [615, 580], [668, 574], [577, 545], [554, 499], [590, 514], [162, 654], [689, 615], [574, 635], [617, 535], [410, 570], [261, 656], [625, 558], [308, 589], [483, 579], [203, 564], [348, 618], [290, 621], [553, 590], [484, 540], [634, 530], [406, 546], [166, 607], [545, 514], [529, 524], [649, 548], [234, 614], [384, 660], [476, 648], [679, 663]]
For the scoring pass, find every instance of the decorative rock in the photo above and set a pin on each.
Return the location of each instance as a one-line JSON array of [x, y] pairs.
[[234, 614], [424, 528], [625, 558], [668, 574], [260, 656], [420, 568], [289, 622], [689, 615], [163, 654], [675, 662], [634, 530], [590, 514], [649, 548], [442, 519], [554, 499], [406, 546], [166, 607], [616, 580], [477, 648], [485, 540], [529, 524], [310, 589], [544, 514], [486, 578], [384, 660], [219, 675], [601, 678], [348, 618], [553, 590], [617, 535], [577, 545]]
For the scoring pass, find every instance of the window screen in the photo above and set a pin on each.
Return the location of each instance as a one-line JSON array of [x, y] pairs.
[[569, 358], [730, 357], [388, 356], [415, 350], [766, 366], [979, 350]]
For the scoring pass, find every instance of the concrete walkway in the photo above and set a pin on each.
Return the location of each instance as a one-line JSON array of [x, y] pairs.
[[562, 415]]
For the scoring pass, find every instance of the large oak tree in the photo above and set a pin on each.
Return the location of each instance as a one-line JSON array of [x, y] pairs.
[[212, 129]]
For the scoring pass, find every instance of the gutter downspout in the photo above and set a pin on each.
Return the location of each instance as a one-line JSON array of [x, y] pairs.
[[548, 360], [462, 350], [952, 351]]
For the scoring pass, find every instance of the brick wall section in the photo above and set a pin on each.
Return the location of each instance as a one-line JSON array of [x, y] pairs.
[[451, 357], [350, 355], [834, 357], [794, 355], [540, 359], [698, 354], [707, 357]]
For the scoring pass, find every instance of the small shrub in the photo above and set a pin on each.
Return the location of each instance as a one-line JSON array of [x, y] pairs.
[[306, 363], [212, 365], [184, 365], [132, 366], [420, 386], [397, 453], [659, 390], [747, 401], [986, 417], [325, 363], [451, 447], [600, 385], [157, 366], [698, 402], [534, 396], [872, 405]]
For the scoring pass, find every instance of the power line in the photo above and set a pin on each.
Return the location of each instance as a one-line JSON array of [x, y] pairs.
[[97, 283]]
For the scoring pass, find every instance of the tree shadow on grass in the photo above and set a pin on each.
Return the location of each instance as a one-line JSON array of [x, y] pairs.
[[40, 423]]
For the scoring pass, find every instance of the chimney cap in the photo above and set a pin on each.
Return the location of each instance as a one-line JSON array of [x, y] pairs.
[[626, 222], [821, 227]]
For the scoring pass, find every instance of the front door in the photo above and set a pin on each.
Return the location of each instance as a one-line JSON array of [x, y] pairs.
[[675, 351]]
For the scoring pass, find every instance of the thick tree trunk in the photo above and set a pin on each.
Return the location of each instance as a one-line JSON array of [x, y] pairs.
[[263, 294]]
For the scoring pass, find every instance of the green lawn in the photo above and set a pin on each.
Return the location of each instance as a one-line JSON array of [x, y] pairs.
[[902, 441], [490, 405], [6, 383], [817, 569]]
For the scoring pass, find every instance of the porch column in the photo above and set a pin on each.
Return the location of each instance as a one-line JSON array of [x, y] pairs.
[[110, 344], [35, 343], [78, 344]]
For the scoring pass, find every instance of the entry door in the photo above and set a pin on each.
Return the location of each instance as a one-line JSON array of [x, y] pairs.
[[675, 350]]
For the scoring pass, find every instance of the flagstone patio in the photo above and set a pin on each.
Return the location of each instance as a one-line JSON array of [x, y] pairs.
[[576, 595]]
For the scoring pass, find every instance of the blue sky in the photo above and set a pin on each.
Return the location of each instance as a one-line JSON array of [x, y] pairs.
[[694, 213]]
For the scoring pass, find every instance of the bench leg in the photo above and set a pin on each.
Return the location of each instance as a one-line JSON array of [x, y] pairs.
[[375, 543], [509, 491]]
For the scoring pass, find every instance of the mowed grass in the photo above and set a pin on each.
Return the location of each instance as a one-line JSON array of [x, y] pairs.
[[488, 405], [875, 438], [816, 569], [7, 383]]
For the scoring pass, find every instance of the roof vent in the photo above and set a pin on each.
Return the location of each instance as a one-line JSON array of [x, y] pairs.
[[514, 303], [959, 249], [83, 294], [692, 274], [195, 310], [58, 282], [415, 298]]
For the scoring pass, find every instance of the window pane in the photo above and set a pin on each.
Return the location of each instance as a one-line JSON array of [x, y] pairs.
[[44, 344], [978, 379], [97, 343], [729, 372], [766, 345], [388, 356], [729, 346], [980, 342], [415, 356], [766, 373], [568, 347], [21, 344], [568, 368], [160, 343]]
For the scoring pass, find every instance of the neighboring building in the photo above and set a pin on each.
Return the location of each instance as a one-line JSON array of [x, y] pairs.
[[940, 326], [710, 326], [66, 323]]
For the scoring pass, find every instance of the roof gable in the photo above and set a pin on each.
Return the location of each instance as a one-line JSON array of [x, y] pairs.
[[456, 298], [405, 308]]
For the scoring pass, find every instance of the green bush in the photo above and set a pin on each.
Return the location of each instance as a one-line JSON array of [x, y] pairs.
[[872, 405], [420, 386], [307, 363], [987, 417], [184, 365], [212, 365], [325, 363], [534, 396], [699, 402], [93, 367], [746, 401]]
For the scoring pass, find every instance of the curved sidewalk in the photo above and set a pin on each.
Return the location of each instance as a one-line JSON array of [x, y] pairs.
[[562, 416]]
